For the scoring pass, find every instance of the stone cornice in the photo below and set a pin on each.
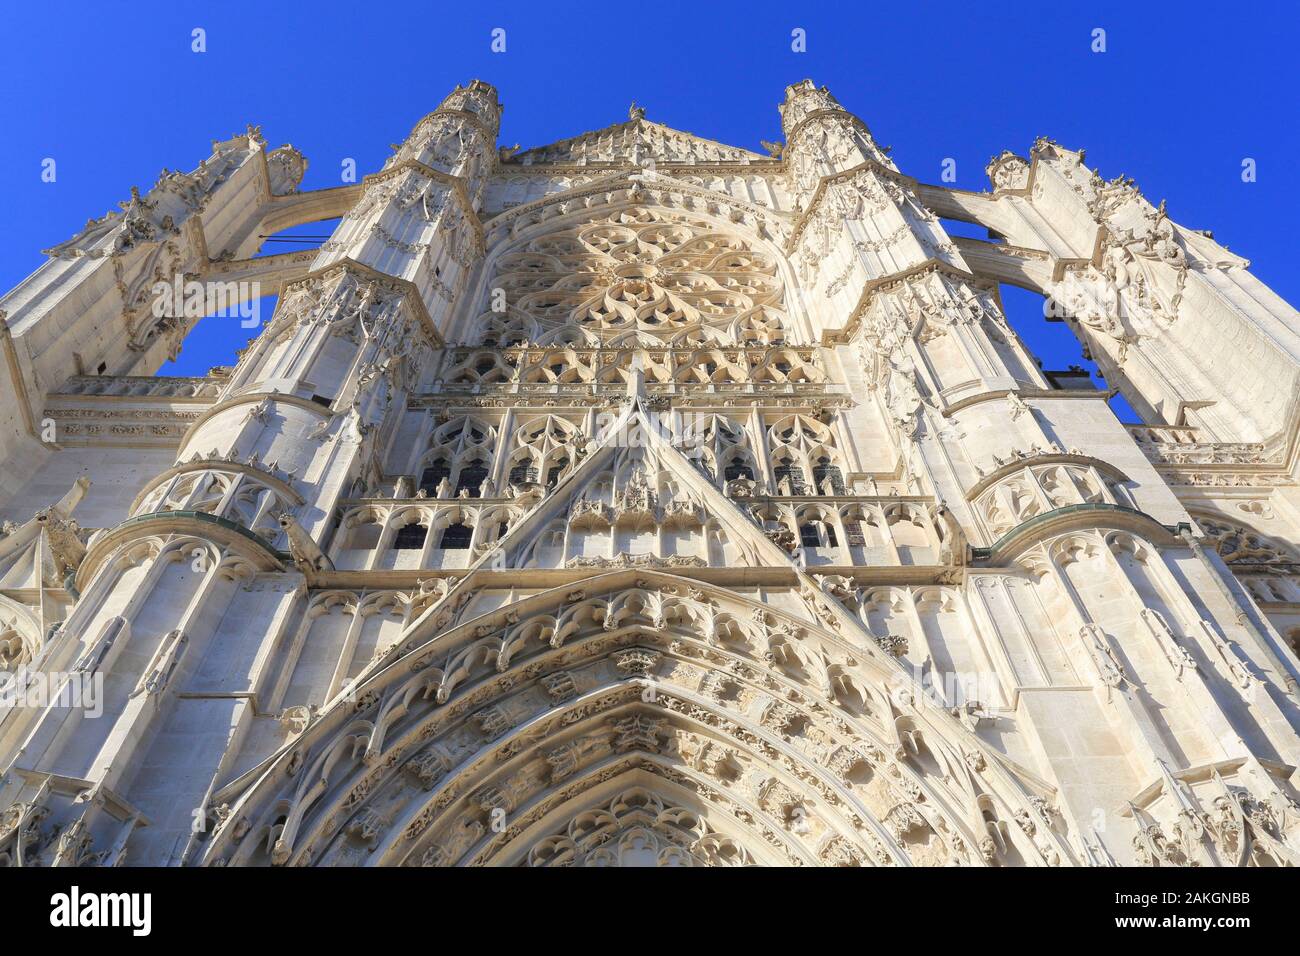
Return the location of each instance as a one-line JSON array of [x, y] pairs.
[[1037, 393], [555, 577], [610, 392], [581, 396], [769, 167], [1276, 457], [351, 504], [464, 351], [252, 398]]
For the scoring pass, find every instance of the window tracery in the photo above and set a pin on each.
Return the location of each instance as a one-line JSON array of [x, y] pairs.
[[1032, 490], [805, 459], [17, 647], [637, 276], [239, 496], [721, 447], [817, 529], [1269, 569], [546, 449], [460, 461], [1238, 544]]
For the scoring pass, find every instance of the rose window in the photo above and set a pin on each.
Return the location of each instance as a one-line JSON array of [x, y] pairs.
[[638, 276]]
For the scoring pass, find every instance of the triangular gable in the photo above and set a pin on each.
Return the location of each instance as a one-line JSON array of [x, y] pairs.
[[637, 140], [761, 551], [611, 455]]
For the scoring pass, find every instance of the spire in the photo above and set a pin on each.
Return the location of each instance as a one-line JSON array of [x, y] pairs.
[[808, 106], [804, 98], [477, 98]]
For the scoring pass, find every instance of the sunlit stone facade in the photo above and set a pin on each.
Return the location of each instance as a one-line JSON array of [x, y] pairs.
[[641, 500]]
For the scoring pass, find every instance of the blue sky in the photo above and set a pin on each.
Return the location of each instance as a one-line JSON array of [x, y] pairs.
[[1182, 94]]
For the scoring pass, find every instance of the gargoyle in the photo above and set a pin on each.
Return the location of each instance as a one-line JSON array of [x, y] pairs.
[[307, 554]]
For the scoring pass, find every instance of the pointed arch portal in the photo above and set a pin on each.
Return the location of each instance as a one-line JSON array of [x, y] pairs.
[[639, 719]]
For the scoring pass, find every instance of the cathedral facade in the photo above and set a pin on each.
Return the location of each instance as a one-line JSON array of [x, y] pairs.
[[641, 500]]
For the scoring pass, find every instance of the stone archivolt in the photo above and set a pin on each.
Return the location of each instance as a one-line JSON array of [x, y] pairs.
[[662, 680]]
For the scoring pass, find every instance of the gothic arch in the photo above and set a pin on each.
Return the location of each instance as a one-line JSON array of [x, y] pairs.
[[565, 699]]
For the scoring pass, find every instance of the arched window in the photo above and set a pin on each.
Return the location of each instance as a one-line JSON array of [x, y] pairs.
[[523, 473], [410, 537], [471, 478], [827, 477], [456, 537], [816, 533], [720, 446], [852, 519], [802, 447], [432, 476], [789, 478], [553, 473], [543, 446], [461, 453], [738, 468]]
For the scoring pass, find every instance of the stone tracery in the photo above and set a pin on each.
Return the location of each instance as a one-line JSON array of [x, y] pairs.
[[636, 276]]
